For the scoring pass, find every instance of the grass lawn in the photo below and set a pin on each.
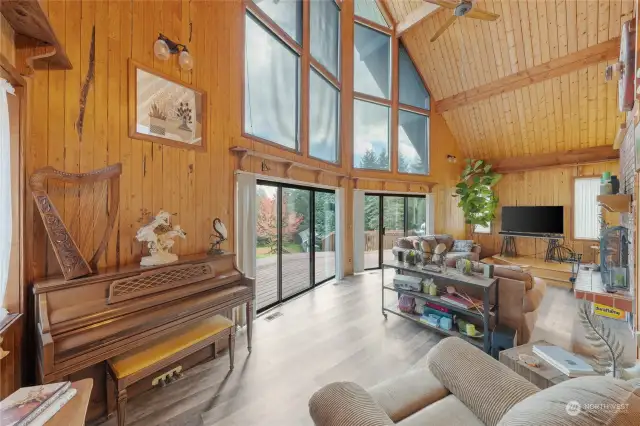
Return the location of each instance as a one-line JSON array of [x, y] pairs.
[[264, 251]]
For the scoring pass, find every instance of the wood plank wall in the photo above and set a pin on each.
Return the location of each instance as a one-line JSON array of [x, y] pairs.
[[7, 41], [547, 187], [196, 186]]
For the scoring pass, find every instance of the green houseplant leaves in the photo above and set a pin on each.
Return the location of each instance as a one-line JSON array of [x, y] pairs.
[[477, 198]]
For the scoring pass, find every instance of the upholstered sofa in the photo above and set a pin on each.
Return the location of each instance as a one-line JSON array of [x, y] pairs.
[[520, 296], [462, 386], [455, 248]]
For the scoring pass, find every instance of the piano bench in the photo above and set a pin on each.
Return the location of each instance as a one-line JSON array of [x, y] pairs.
[[139, 363]]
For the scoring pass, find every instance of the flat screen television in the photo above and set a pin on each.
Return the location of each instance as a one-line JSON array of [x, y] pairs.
[[533, 220]]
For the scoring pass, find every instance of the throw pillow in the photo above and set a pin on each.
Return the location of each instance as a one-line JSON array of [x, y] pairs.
[[462, 246], [405, 243]]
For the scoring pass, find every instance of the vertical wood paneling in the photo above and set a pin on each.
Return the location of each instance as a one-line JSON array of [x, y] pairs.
[[197, 187], [548, 187], [7, 41]]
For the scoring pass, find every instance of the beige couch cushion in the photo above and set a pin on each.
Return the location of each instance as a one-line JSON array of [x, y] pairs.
[[449, 411], [514, 273], [549, 407], [402, 396], [489, 389], [533, 298]]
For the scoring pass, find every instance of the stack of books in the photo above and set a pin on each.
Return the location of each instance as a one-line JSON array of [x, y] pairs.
[[34, 406], [566, 362]]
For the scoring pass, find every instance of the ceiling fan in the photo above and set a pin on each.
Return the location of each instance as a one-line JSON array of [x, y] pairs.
[[463, 8]]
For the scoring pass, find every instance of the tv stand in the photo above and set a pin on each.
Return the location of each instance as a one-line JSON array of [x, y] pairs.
[[554, 252], [508, 246]]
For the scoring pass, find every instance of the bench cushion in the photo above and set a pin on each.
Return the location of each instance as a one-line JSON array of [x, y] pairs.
[[145, 356]]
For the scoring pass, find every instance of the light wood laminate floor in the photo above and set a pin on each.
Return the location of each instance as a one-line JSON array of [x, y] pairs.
[[334, 333]]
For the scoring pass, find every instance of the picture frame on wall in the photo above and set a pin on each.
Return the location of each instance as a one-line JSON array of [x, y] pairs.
[[163, 109]]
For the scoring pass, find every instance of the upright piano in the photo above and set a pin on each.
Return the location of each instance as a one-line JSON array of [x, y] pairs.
[[85, 321]]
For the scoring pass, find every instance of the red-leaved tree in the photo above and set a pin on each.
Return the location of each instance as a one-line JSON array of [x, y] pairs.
[[267, 223]]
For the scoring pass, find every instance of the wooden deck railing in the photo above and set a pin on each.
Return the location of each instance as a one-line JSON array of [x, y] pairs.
[[390, 237]]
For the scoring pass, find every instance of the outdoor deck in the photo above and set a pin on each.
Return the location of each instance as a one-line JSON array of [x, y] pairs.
[[295, 273]]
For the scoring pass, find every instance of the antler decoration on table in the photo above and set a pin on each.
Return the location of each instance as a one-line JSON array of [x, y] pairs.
[[610, 352]]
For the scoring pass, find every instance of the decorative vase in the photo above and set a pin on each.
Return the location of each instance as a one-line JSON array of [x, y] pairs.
[[463, 266]]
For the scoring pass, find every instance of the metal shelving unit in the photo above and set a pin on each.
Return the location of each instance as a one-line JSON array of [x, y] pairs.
[[487, 284]]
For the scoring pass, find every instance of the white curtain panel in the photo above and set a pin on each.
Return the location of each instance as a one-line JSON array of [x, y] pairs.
[[5, 188], [245, 232], [585, 208], [430, 228], [340, 231], [358, 231]]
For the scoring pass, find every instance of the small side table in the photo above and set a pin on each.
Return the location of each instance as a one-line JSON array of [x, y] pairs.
[[543, 377], [74, 412]]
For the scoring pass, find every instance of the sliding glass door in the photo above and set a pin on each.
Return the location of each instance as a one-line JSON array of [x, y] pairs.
[[295, 247], [325, 233], [295, 231], [372, 227], [387, 218]]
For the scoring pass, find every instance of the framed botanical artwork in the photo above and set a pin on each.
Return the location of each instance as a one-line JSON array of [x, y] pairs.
[[165, 110]]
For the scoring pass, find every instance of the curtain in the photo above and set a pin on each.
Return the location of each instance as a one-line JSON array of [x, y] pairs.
[[358, 231], [245, 232], [340, 232], [5, 190], [585, 209]]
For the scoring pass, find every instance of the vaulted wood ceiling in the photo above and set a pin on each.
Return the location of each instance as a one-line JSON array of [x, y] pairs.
[[572, 110]]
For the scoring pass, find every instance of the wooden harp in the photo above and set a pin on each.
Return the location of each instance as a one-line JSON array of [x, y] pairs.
[[71, 259]]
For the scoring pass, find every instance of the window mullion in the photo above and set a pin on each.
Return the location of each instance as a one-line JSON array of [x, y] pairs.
[[394, 154], [304, 89], [261, 16]]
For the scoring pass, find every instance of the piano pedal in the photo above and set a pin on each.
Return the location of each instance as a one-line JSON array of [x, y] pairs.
[[168, 377]]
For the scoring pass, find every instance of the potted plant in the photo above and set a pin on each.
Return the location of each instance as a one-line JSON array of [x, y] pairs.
[[478, 201]]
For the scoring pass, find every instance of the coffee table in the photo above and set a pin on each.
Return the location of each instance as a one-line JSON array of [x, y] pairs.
[[543, 377]]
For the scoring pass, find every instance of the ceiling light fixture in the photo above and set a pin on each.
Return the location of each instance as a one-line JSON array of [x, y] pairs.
[[164, 47]]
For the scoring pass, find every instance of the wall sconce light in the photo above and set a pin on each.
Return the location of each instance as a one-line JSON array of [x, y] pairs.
[[452, 158], [163, 48]]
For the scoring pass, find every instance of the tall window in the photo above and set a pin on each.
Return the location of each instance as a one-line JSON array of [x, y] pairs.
[[324, 81], [272, 75], [585, 208], [275, 77], [368, 9], [372, 91], [413, 118]]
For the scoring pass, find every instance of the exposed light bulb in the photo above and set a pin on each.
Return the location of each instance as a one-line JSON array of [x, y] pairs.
[[161, 49], [185, 60]]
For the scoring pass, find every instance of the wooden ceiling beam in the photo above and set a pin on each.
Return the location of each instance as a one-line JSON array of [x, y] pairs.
[[595, 54], [555, 159], [415, 17]]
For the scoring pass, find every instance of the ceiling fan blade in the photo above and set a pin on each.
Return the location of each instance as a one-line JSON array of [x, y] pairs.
[[482, 14], [443, 3], [443, 28]]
